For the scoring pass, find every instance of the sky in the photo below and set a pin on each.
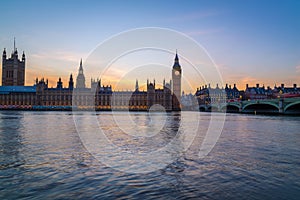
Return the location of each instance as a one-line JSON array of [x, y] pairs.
[[249, 41]]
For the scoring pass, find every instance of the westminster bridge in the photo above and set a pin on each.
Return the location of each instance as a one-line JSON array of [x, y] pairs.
[[289, 106]]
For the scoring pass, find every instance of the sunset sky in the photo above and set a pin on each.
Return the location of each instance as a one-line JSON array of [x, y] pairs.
[[250, 41]]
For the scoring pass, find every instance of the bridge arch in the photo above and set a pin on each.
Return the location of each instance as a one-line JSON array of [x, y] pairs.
[[261, 107], [230, 108], [261, 103], [213, 108], [202, 108], [292, 108]]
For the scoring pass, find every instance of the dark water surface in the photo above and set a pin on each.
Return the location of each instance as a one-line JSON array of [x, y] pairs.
[[42, 157]]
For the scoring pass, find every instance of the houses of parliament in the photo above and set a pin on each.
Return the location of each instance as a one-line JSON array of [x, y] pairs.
[[15, 95]]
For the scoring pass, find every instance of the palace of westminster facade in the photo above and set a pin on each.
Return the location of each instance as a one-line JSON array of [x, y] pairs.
[[14, 95]]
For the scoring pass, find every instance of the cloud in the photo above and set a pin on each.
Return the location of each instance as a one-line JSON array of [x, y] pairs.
[[298, 69], [59, 55], [193, 16], [203, 32]]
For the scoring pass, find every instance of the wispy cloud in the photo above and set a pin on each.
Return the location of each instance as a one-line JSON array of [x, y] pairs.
[[203, 32], [59, 55], [298, 69], [193, 16]]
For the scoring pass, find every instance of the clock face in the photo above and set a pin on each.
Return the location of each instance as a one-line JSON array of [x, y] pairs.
[[177, 73]]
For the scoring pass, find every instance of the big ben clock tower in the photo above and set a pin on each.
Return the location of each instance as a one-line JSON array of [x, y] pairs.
[[176, 80]]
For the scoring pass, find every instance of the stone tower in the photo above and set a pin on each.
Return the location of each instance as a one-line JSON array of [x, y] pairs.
[[176, 85], [80, 81], [13, 69]]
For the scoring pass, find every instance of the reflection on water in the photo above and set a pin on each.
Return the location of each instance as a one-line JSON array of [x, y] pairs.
[[42, 157], [133, 142]]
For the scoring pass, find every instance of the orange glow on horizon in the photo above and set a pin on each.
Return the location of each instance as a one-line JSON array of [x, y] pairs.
[[113, 80]]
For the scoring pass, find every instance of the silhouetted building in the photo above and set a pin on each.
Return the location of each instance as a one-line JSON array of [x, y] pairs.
[[232, 93], [99, 97], [13, 69]]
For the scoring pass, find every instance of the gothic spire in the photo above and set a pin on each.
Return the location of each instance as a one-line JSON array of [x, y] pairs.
[[14, 44], [4, 53], [80, 81], [136, 85], [80, 67]]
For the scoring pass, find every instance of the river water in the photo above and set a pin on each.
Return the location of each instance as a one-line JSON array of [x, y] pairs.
[[43, 156]]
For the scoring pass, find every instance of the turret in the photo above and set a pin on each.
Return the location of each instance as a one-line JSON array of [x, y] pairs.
[[59, 84], [71, 82], [4, 54], [23, 56], [41, 85]]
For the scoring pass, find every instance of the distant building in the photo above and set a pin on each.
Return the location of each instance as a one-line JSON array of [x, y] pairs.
[[286, 92], [232, 93], [207, 95], [189, 102], [13, 69], [17, 97], [257, 92]]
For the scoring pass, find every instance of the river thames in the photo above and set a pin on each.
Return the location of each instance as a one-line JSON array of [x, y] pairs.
[[42, 156]]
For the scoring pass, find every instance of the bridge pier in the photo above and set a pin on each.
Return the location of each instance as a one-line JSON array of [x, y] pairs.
[[281, 106], [240, 107]]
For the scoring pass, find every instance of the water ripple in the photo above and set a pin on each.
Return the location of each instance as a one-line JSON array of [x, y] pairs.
[[42, 157]]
